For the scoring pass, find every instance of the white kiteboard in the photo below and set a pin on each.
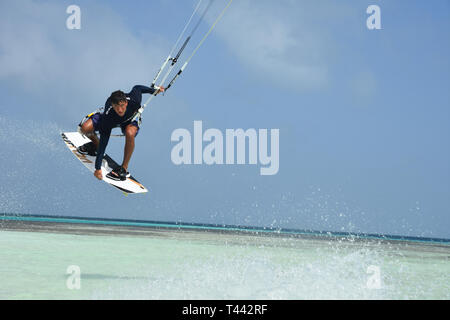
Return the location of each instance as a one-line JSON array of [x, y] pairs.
[[75, 139]]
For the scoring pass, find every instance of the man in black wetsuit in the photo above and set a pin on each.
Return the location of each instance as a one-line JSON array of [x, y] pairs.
[[121, 110]]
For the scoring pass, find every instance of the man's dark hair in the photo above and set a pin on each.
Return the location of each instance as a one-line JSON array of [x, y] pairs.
[[117, 97]]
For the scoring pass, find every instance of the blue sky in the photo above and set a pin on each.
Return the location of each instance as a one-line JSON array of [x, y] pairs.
[[363, 114]]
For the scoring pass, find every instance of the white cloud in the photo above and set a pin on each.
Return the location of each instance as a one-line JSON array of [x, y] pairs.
[[280, 41], [71, 67]]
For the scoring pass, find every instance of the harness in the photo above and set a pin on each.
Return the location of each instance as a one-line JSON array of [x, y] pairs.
[[135, 117]]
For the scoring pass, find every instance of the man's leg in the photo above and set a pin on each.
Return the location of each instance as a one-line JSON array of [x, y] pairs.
[[87, 129], [130, 133]]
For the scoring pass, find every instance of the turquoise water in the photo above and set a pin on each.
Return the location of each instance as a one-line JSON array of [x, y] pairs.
[[172, 225], [116, 262]]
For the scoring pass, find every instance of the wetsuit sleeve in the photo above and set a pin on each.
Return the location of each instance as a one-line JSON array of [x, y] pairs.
[[104, 139], [137, 91]]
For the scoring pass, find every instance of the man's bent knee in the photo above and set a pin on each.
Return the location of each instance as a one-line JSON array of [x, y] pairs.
[[131, 131], [87, 127]]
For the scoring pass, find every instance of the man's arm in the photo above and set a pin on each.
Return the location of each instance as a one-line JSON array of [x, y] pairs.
[[138, 90], [143, 89], [104, 139]]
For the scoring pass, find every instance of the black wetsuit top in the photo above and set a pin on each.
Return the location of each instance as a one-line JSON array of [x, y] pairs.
[[110, 119]]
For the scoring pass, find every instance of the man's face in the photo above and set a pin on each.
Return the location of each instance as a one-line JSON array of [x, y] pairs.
[[120, 108]]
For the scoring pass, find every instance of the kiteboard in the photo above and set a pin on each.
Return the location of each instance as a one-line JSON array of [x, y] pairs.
[[73, 140]]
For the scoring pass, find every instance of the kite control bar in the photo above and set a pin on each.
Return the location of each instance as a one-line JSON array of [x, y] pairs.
[[174, 60]]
